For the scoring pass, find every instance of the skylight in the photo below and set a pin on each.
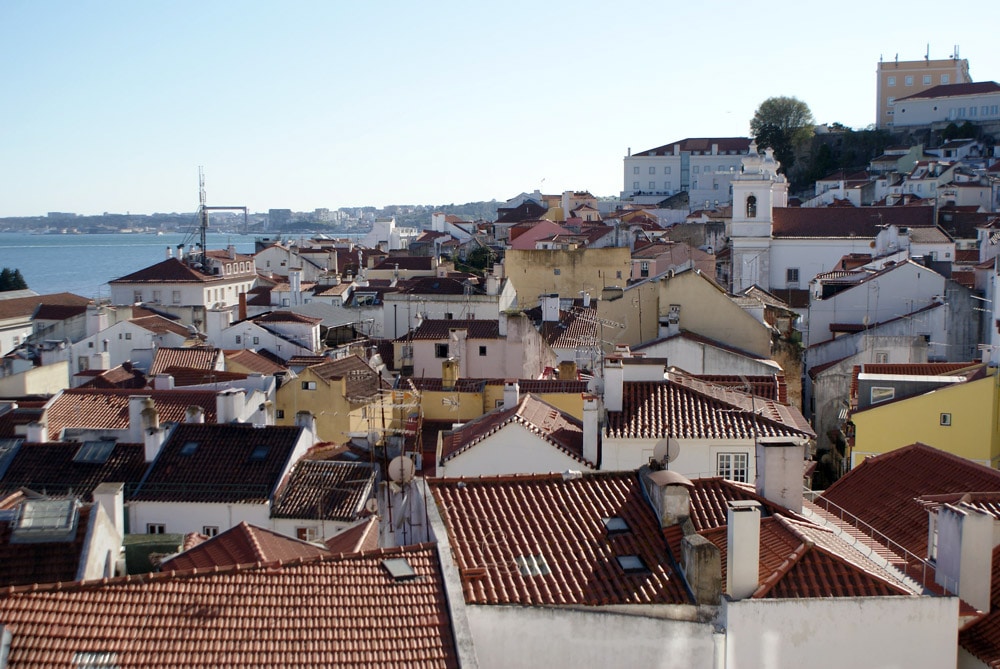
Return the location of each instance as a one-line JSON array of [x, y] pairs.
[[44, 520], [616, 525], [532, 565], [259, 452], [95, 660], [189, 448], [632, 564], [94, 452], [399, 568]]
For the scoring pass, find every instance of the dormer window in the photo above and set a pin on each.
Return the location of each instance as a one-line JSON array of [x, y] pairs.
[[752, 206]]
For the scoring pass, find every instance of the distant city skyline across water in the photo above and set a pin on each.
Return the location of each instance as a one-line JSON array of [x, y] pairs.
[[83, 264]]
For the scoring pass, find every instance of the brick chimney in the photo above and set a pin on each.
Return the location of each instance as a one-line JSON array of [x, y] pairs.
[[742, 548]]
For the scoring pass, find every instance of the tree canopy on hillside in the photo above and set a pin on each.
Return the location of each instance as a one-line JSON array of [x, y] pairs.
[[11, 280], [784, 124]]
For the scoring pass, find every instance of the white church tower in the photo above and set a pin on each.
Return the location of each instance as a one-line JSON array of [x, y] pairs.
[[757, 190]]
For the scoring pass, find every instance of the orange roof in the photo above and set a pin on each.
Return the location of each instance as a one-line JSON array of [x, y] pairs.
[[337, 611], [254, 362], [361, 536], [242, 544], [107, 409], [198, 357], [554, 548]]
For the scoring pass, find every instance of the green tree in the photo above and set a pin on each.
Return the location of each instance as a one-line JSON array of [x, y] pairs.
[[784, 124], [11, 280]]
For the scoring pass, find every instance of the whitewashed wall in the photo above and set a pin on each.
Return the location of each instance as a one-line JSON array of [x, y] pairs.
[[512, 450]]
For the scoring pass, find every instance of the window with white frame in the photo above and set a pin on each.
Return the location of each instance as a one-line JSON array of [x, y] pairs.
[[635, 185], [908, 81], [635, 170], [892, 81], [927, 80], [732, 466], [666, 170], [945, 78], [652, 170], [210, 530], [156, 528], [306, 533], [792, 275]]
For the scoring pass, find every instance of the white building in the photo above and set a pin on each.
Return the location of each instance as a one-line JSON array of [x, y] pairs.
[[957, 103], [701, 167]]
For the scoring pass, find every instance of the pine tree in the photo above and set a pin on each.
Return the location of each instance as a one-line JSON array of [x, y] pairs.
[[11, 280]]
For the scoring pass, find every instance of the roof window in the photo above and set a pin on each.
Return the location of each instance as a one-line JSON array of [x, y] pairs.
[[632, 564], [616, 525], [189, 448], [532, 565], [95, 660], [94, 452], [259, 452], [46, 520], [400, 569]]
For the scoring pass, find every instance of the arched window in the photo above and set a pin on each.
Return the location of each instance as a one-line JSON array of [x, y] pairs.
[[751, 206]]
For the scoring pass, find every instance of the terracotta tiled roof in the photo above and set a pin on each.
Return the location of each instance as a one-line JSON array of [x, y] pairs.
[[543, 386], [700, 144], [244, 616], [547, 542], [690, 409], [432, 285], [242, 544], [325, 490], [768, 387], [161, 325], [107, 409], [26, 412], [883, 490], [461, 385], [170, 270], [801, 560], [231, 463], [841, 222], [574, 329], [51, 469], [122, 376], [58, 312], [435, 329], [254, 361], [425, 263], [363, 382], [286, 317], [44, 562], [24, 307], [362, 536], [950, 90], [193, 358], [185, 376], [548, 423]]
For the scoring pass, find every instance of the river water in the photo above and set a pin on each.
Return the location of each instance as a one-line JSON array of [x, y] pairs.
[[83, 264]]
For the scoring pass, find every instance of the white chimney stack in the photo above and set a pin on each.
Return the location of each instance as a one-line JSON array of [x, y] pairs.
[[111, 496], [511, 394], [742, 548], [591, 429], [965, 553], [614, 385], [306, 420], [229, 406], [38, 433], [550, 308], [194, 414], [780, 468], [136, 403]]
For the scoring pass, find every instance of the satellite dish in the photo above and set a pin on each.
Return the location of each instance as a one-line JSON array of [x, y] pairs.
[[401, 470], [371, 506], [666, 450]]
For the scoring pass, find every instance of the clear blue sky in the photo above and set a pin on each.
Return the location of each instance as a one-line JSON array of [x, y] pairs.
[[113, 105]]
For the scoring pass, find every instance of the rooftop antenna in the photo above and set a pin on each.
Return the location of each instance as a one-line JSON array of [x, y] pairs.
[[203, 210]]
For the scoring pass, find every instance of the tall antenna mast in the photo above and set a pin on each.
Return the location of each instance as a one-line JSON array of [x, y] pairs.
[[203, 210]]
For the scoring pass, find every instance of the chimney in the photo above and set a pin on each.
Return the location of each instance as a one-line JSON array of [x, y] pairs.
[[780, 467], [229, 406], [149, 416], [586, 299], [295, 281], [742, 548], [965, 553], [492, 284], [136, 403], [38, 433], [591, 430], [502, 324], [550, 308], [702, 569], [670, 494], [170, 252], [511, 394], [180, 252], [449, 374], [111, 496], [242, 315], [231, 251], [614, 385], [97, 319], [306, 420], [567, 371], [194, 414], [163, 382]]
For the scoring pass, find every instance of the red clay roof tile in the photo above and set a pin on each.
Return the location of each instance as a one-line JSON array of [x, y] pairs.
[[242, 544], [107, 409], [325, 490]]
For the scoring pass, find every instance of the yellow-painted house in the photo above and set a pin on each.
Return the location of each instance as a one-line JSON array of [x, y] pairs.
[[330, 391], [960, 415]]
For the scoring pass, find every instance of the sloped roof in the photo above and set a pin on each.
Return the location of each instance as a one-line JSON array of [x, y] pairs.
[[845, 222], [107, 409], [548, 423], [23, 564], [161, 325], [361, 536], [51, 469], [58, 312], [195, 357], [436, 329], [363, 382], [325, 490], [701, 144], [690, 409], [286, 317], [170, 270], [883, 490], [25, 307], [122, 376], [253, 361], [548, 543], [245, 616], [231, 463], [952, 90], [242, 544], [425, 263]]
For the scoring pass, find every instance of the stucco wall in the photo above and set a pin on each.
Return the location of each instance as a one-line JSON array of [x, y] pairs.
[[515, 636], [512, 450], [533, 272], [46, 380], [884, 632]]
